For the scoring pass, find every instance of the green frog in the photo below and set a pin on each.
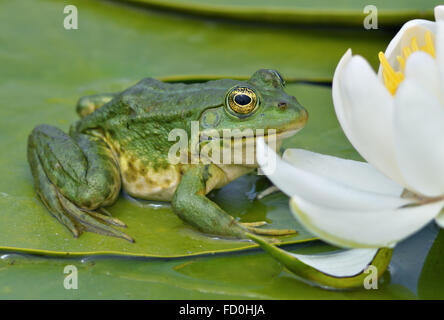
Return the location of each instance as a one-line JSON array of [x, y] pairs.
[[123, 140]]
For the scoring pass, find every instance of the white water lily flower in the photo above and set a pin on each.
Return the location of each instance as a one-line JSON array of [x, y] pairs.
[[395, 120]]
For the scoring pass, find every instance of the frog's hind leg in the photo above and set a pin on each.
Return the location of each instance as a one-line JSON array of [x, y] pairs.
[[191, 205], [88, 104], [75, 176]]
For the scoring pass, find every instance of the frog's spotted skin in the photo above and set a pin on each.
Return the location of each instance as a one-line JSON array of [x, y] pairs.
[[145, 182], [121, 141]]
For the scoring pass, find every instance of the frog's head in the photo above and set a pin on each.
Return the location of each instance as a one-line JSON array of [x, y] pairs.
[[255, 108], [258, 103]]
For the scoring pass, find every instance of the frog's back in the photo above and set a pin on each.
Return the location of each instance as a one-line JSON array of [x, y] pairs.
[[154, 96], [136, 123], [159, 101]]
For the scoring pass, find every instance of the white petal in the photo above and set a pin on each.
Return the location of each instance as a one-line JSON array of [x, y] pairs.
[[338, 100], [439, 51], [419, 132], [363, 228], [440, 220], [365, 109], [422, 68], [320, 189], [439, 13], [344, 263], [413, 28], [355, 174]]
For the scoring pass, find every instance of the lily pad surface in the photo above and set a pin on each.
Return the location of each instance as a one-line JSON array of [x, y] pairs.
[[251, 275], [27, 227]]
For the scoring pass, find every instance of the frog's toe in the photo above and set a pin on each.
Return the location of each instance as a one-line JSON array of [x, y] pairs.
[[93, 221], [106, 217], [253, 224], [253, 227], [48, 194], [271, 232]]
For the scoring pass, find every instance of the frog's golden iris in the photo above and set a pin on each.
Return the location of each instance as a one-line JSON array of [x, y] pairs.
[[241, 100]]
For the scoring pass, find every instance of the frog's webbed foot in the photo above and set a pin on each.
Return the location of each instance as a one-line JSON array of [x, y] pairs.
[[77, 220], [253, 227], [92, 221], [65, 188]]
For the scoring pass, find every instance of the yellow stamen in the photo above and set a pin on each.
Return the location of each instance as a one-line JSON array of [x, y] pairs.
[[401, 61], [392, 79], [407, 52], [429, 47], [414, 44]]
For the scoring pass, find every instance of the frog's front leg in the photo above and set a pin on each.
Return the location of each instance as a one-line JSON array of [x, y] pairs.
[[191, 205], [75, 176]]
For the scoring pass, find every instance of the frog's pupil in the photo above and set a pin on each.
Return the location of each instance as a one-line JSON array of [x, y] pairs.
[[242, 99]]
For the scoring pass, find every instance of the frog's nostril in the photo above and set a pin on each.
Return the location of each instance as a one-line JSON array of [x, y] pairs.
[[282, 105]]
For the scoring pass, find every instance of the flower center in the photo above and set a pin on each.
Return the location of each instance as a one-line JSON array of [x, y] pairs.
[[393, 78]]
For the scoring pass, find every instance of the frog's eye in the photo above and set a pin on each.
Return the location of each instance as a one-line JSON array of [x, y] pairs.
[[241, 101], [279, 76], [269, 78]]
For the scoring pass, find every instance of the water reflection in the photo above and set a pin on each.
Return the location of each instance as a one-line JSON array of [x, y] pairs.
[[409, 255]]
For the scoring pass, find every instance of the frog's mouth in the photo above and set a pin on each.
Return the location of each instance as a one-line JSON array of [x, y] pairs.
[[239, 149], [248, 134], [239, 135]]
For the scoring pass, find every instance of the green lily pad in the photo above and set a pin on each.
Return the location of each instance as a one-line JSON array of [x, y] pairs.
[[117, 44], [251, 275], [322, 133], [27, 227], [316, 12]]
